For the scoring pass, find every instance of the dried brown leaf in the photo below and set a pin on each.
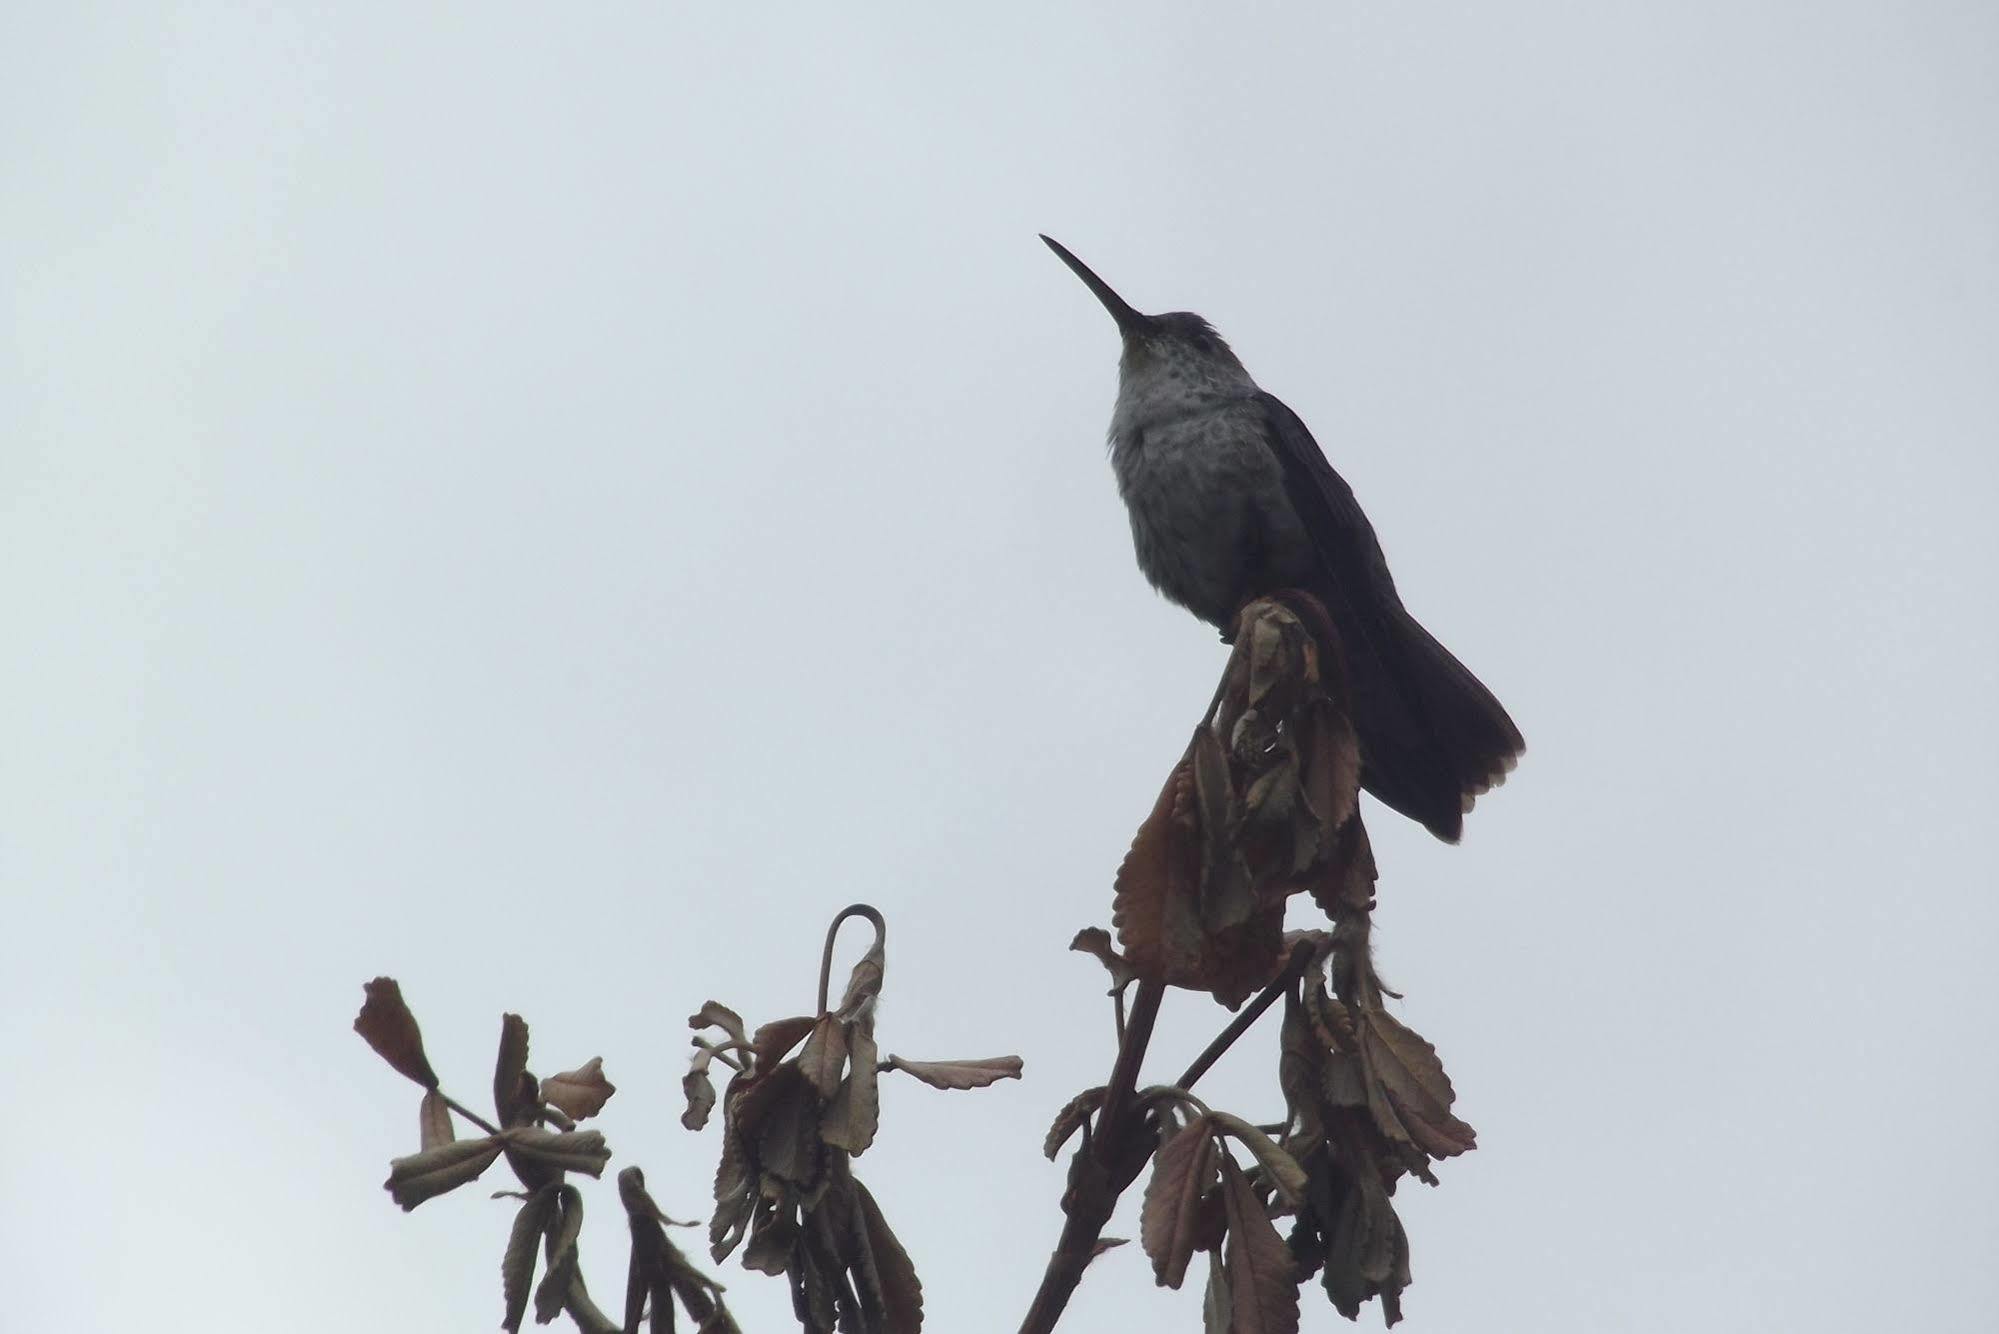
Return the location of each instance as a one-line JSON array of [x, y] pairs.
[[560, 1251], [824, 1057], [1226, 897], [1182, 1171], [855, 1112], [1279, 1167], [1094, 940], [1073, 1115], [580, 1093], [776, 1039], [644, 1274], [1217, 1303], [1409, 1093], [523, 1244], [433, 1119], [1156, 911], [1263, 1291], [735, 1195], [1344, 887], [431, 1173], [587, 1315], [773, 1238], [714, 1014], [510, 1072], [659, 1271], [864, 983], [1367, 1252], [700, 1092], [564, 1151], [901, 1291], [960, 1074], [778, 1117], [386, 1024]]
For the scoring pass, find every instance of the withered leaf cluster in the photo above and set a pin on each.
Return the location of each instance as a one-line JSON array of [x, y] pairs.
[[535, 1131], [660, 1274], [1200, 1199], [1263, 805], [801, 1104], [1368, 1102]]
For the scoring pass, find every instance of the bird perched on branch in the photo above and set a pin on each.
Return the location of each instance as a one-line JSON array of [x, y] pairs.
[[1231, 498]]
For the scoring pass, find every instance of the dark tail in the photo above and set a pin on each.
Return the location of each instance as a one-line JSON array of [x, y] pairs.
[[1432, 737]]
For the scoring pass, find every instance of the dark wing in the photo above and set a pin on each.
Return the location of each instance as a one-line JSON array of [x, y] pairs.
[[1432, 736]]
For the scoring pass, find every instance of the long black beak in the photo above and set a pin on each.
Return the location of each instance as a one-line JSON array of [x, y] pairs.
[[1128, 320]]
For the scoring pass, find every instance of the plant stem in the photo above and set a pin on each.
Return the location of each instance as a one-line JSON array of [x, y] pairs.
[[1124, 1074], [1097, 1178], [1117, 1152], [833, 934], [468, 1113], [1300, 955]]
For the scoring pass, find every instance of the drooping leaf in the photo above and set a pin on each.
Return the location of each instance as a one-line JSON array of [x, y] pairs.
[[777, 1118], [431, 1173], [580, 1093], [433, 1119], [960, 1074], [735, 1196], [864, 983], [699, 1091], [1182, 1171], [824, 1056], [1413, 1079], [714, 1014], [854, 1113], [386, 1024], [1217, 1304], [588, 1316], [510, 1071], [901, 1291], [659, 1271], [1226, 898], [523, 1244], [644, 1276], [560, 1251], [776, 1038], [1263, 1293], [1073, 1115], [563, 1151], [773, 1238], [1155, 911], [1367, 1252], [1279, 1167]]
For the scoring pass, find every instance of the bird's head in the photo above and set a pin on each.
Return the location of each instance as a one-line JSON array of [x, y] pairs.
[[1177, 338]]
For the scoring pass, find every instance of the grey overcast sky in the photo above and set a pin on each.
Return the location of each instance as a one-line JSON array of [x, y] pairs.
[[552, 502]]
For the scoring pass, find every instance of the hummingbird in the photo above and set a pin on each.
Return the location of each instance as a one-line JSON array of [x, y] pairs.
[[1231, 498]]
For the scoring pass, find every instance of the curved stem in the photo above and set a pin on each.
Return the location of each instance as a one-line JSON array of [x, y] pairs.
[[833, 933]]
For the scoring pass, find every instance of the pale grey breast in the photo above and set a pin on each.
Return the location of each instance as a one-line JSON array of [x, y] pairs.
[[1209, 516]]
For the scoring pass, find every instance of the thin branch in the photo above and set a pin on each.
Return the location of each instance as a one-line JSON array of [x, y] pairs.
[[1301, 956], [1124, 1075], [468, 1113], [1098, 1174]]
